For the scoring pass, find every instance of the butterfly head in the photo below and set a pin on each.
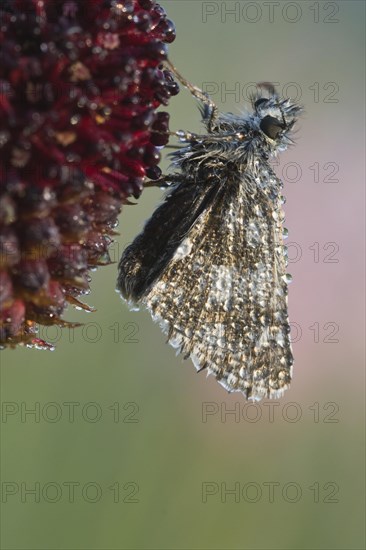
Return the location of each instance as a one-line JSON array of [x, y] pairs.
[[275, 117]]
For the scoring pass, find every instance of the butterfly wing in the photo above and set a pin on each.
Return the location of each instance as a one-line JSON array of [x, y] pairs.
[[144, 260], [221, 296]]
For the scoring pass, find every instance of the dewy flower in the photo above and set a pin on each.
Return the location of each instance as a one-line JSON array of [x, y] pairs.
[[80, 82]]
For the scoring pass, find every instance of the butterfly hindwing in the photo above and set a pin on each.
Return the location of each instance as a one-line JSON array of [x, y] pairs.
[[221, 297]]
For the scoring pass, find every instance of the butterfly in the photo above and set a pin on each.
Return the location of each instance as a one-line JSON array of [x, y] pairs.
[[210, 263]]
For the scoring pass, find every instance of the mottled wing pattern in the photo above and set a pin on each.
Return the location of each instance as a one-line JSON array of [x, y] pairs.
[[222, 296]]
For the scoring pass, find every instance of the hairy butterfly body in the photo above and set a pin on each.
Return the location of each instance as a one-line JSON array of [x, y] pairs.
[[210, 264]]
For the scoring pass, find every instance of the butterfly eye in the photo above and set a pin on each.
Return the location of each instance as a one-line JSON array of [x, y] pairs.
[[260, 102], [271, 126]]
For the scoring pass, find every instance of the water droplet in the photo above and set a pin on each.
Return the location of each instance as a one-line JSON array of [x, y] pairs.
[[287, 278]]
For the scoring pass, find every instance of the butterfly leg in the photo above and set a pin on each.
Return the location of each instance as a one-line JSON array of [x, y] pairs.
[[164, 181], [210, 110]]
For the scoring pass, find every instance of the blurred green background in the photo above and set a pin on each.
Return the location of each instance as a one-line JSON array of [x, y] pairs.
[[130, 448]]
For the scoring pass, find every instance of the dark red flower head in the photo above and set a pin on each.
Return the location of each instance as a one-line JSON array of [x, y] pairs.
[[80, 83]]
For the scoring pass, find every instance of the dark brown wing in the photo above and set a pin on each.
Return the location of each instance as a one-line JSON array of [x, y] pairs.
[[146, 258]]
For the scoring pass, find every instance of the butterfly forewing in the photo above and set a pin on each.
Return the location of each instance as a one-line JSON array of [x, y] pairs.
[[145, 259]]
